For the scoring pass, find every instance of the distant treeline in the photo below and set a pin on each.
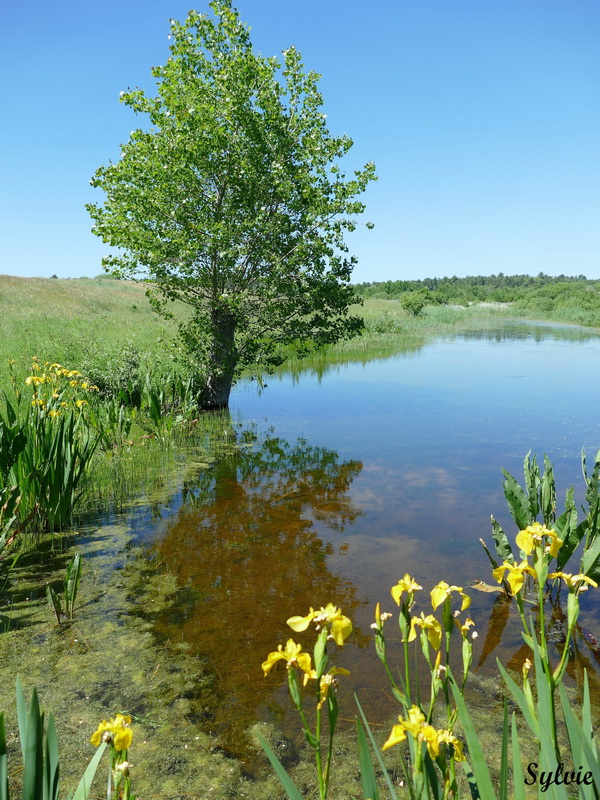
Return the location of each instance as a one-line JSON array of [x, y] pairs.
[[541, 292]]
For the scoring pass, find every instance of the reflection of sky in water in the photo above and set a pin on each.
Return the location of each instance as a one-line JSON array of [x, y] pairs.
[[428, 433], [433, 429]]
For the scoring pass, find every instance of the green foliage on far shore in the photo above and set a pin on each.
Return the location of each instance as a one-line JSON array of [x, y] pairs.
[[562, 298]]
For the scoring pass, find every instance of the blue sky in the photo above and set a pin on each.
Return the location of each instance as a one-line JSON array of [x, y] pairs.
[[482, 116]]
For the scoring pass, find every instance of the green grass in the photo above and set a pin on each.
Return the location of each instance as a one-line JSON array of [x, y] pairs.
[[72, 320], [63, 320]]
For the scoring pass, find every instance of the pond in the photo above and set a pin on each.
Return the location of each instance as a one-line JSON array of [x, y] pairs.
[[350, 477]]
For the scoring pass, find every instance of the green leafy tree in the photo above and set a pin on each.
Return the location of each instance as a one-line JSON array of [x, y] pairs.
[[414, 302], [234, 202]]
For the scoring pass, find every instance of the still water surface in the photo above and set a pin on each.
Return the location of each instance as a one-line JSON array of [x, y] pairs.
[[354, 476]]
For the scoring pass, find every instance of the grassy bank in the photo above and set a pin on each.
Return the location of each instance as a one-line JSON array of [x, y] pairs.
[[83, 320]]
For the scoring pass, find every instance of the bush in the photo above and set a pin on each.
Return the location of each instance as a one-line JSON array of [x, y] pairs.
[[414, 302]]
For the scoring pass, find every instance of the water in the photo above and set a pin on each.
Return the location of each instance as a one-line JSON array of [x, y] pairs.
[[357, 476]]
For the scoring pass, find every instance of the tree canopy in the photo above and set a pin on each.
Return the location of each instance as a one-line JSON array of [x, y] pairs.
[[234, 202]]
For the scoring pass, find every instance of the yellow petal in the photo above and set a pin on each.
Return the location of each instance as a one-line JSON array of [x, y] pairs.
[[434, 634], [299, 624], [272, 659], [439, 593], [524, 541], [341, 630], [430, 735], [96, 738], [555, 545], [515, 580], [304, 662], [397, 591], [122, 739], [397, 735]]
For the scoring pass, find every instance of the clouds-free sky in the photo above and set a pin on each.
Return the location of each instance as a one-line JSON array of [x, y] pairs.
[[483, 119]]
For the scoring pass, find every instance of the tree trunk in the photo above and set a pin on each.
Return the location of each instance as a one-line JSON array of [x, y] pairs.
[[223, 360]]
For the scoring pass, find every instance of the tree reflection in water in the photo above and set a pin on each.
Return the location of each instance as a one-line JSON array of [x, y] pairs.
[[247, 553]]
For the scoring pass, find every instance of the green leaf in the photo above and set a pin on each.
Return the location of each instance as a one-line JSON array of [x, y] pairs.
[[503, 788], [586, 712], [3, 762], [21, 716], [311, 739], [33, 777], [518, 501], [478, 762], [520, 699], [592, 495], [518, 781], [320, 654], [568, 530], [590, 561], [548, 493], [83, 789], [532, 483], [294, 687], [582, 747], [367, 773], [54, 602], [51, 762], [574, 728], [471, 781], [332, 710], [288, 784], [378, 756], [398, 694], [435, 790], [503, 547]]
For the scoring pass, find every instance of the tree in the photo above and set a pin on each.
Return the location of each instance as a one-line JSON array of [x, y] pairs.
[[414, 302], [234, 202]]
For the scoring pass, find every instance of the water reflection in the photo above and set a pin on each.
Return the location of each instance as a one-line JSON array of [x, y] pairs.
[[330, 361], [247, 555], [517, 329]]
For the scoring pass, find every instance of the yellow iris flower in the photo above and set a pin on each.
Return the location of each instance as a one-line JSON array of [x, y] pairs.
[[327, 681], [442, 591], [116, 730], [573, 581], [341, 627], [292, 655], [422, 731], [516, 574], [533, 535], [406, 584], [464, 629], [431, 625]]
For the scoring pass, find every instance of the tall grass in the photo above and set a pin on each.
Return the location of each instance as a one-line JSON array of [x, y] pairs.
[[65, 447]]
